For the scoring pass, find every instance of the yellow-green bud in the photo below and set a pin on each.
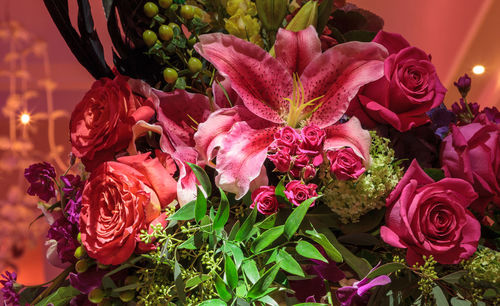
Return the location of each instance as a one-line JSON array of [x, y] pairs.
[[80, 252], [306, 16], [96, 296], [127, 296], [271, 12], [131, 279], [81, 266], [79, 238]]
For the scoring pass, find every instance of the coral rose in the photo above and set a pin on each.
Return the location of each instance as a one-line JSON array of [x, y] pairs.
[[431, 218], [101, 124], [409, 88], [119, 200], [472, 152]]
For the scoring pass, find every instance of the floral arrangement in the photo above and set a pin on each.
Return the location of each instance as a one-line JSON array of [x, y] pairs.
[[266, 152]]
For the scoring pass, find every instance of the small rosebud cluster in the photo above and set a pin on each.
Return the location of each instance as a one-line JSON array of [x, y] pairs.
[[298, 153]]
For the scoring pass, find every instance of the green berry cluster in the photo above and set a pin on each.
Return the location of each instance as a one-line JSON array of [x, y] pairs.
[[428, 275]]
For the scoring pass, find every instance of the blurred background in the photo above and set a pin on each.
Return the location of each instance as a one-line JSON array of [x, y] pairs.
[[41, 82]]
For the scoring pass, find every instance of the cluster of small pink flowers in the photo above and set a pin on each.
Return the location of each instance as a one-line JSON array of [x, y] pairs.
[[298, 153]]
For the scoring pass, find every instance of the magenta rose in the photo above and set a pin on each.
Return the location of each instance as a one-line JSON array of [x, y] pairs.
[[431, 218], [409, 88], [345, 164], [296, 192], [472, 152], [312, 138], [288, 137], [281, 159], [300, 161], [265, 200]]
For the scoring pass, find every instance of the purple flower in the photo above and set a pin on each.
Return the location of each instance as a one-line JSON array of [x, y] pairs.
[[88, 280], [73, 187], [41, 178], [465, 112], [65, 234], [441, 119], [492, 114], [10, 296], [463, 85], [359, 293], [312, 290]]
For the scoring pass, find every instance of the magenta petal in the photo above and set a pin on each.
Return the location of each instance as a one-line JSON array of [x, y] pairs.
[[297, 49], [186, 184], [391, 237], [337, 75], [241, 157], [261, 81], [392, 41], [349, 134], [377, 281]]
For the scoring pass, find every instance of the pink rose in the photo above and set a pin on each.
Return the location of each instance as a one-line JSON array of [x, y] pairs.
[[409, 88], [265, 200], [472, 152], [345, 164], [281, 159], [431, 218], [288, 137], [313, 138], [299, 163], [296, 192]]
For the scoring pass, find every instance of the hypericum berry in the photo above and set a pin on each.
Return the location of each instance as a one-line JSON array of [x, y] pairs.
[[170, 75], [81, 266], [165, 3], [174, 25], [131, 279], [166, 33], [127, 296], [149, 38], [79, 252], [187, 11], [105, 302], [96, 296], [194, 65], [150, 9], [79, 238]]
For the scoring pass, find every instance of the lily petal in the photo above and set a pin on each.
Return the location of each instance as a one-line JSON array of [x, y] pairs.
[[260, 80], [240, 159], [297, 49], [337, 75], [349, 134]]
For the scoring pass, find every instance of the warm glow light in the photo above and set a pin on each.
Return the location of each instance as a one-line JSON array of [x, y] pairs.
[[478, 69], [25, 118]]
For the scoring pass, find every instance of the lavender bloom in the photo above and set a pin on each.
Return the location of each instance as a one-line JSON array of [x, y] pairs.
[[73, 188], [441, 119], [10, 296], [65, 234], [463, 84], [41, 178], [358, 293]]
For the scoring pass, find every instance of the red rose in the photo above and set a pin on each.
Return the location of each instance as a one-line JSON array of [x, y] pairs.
[[431, 218], [296, 192], [265, 200], [472, 152], [119, 200], [101, 124], [345, 164], [409, 88]]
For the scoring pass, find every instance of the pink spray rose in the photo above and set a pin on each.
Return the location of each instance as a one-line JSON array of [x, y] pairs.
[[300, 162], [409, 88], [472, 152], [265, 200], [312, 143], [296, 192], [345, 164], [431, 218], [287, 137], [281, 159]]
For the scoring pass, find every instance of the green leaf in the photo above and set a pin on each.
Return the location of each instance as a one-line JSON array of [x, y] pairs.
[[221, 288], [200, 209], [259, 288], [267, 300], [180, 83], [195, 281], [222, 212], [454, 278], [214, 302], [324, 12], [250, 269], [386, 269], [179, 282], [439, 296], [184, 213], [293, 221], [108, 283], [455, 301], [60, 297], [247, 226], [435, 173], [289, 264], [267, 223], [308, 250], [231, 272], [279, 192], [188, 244], [202, 177], [267, 238], [330, 250], [234, 230], [237, 254]]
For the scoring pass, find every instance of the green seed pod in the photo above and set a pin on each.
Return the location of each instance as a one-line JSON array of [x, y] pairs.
[[272, 12]]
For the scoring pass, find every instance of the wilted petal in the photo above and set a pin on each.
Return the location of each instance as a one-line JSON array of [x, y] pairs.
[[297, 49], [349, 134], [260, 80], [224, 94], [337, 75]]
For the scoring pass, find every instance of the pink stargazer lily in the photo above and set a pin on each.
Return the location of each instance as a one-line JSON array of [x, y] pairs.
[[300, 86]]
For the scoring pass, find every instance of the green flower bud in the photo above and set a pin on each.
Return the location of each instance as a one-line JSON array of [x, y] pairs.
[[81, 266], [272, 12], [307, 15], [127, 296], [96, 296]]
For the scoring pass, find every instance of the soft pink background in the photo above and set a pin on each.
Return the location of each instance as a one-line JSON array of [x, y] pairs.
[[457, 33]]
